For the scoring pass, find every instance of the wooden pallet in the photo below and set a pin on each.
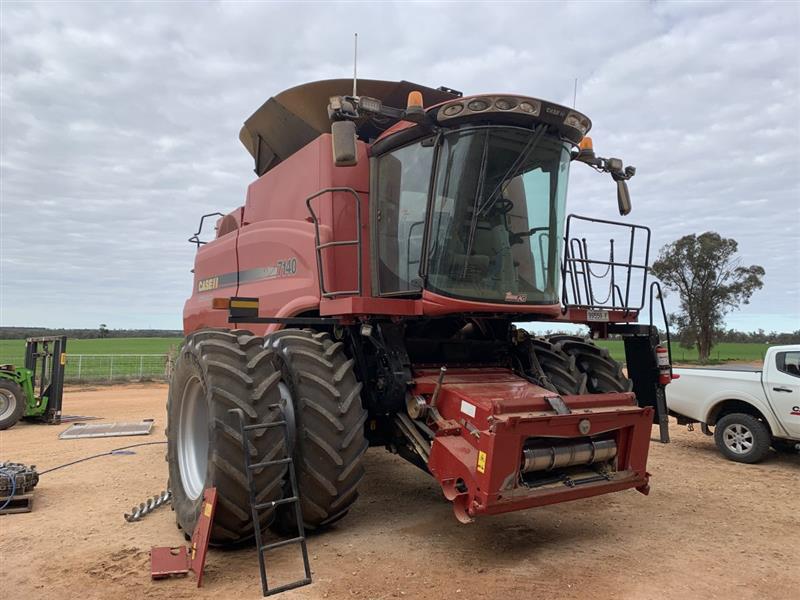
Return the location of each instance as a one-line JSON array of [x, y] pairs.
[[20, 503]]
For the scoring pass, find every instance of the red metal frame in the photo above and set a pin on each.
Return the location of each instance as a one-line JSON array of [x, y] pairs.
[[492, 412], [166, 560]]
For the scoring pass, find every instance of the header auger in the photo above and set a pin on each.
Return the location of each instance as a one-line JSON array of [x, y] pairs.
[[372, 291]]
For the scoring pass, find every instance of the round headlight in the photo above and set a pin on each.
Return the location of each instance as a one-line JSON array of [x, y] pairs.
[[505, 103], [478, 105], [452, 110], [526, 107]]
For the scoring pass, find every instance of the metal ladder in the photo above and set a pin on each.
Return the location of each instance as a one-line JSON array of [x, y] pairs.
[[256, 507]]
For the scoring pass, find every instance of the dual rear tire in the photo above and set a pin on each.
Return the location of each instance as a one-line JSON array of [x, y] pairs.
[[300, 376]]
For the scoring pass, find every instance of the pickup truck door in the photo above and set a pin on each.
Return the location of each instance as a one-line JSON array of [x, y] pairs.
[[782, 384]]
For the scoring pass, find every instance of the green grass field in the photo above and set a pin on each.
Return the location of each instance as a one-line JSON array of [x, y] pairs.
[[103, 359], [100, 346], [720, 353]]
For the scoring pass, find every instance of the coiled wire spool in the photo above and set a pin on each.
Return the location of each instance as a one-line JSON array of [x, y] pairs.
[[17, 476], [148, 506]]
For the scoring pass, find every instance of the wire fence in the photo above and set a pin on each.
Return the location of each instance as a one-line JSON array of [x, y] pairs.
[[110, 367]]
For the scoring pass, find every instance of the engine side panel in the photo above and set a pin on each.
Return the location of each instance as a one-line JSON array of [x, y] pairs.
[[271, 254]]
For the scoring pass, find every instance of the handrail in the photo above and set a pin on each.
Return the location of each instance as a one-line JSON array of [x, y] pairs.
[[578, 277], [319, 246], [657, 285], [195, 239]]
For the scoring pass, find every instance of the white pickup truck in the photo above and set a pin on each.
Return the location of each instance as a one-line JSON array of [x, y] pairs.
[[750, 410]]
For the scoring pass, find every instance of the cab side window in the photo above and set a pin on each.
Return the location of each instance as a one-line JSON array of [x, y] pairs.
[[789, 362], [402, 196]]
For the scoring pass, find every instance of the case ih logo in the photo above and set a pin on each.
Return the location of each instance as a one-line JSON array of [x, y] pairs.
[[511, 297]]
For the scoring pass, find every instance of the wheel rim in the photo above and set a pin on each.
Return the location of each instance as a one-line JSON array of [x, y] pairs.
[[8, 402], [193, 438], [738, 438]]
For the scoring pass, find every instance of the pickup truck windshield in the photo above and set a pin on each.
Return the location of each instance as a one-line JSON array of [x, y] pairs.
[[497, 216]]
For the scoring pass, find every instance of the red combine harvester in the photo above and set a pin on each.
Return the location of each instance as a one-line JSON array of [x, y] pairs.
[[384, 262]]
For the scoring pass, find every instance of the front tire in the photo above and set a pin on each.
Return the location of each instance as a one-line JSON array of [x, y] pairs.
[[12, 403], [218, 370], [323, 397], [742, 438], [604, 374]]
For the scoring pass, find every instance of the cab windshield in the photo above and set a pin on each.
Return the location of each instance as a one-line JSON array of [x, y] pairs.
[[494, 222], [497, 216]]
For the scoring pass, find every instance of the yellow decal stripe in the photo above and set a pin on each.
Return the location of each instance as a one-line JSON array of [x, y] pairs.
[[244, 303]]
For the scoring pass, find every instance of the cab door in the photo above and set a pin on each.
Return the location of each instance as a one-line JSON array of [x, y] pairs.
[[782, 383]]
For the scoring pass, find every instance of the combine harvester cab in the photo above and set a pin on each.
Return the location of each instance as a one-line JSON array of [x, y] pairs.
[[374, 290]]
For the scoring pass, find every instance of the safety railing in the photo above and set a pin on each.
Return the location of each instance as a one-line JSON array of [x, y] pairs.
[[616, 283]]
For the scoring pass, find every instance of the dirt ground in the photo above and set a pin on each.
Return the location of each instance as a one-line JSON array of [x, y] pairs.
[[709, 529]]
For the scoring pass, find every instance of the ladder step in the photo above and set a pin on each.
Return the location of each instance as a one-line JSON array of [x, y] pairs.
[[294, 540], [274, 503], [288, 586], [264, 425], [267, 463]]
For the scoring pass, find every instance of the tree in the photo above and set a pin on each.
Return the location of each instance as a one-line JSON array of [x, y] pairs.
[[103, 331], [707, 275]]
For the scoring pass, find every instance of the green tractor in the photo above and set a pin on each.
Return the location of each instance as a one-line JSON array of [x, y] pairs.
[[36, 390]]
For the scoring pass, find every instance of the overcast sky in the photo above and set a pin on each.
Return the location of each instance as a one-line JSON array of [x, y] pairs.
[[120, 126]]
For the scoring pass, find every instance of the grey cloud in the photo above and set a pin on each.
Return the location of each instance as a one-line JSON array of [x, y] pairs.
[[120, 125]]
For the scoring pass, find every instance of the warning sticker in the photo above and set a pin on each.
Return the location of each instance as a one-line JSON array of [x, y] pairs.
[[481, 461], [468, 409], [207, 508]]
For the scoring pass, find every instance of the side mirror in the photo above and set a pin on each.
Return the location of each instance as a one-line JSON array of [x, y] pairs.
[[344, 143], [623, 197]]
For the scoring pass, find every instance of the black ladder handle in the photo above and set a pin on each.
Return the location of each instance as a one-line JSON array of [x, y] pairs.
[[782, 389]]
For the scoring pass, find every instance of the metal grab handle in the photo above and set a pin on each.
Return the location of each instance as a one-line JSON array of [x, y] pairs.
[[195, 239], [319, 246]]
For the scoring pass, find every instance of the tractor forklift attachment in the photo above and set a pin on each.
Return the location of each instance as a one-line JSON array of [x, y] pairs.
[[166, 561], [255, 506], [46, 358]]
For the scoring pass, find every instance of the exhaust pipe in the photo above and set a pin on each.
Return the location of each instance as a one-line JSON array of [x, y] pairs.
[[557, 457]]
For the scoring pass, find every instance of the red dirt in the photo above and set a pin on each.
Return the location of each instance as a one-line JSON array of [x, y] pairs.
[[709, 529]]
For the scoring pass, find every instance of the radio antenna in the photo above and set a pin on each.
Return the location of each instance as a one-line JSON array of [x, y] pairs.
[[575, 93], [355, 63]]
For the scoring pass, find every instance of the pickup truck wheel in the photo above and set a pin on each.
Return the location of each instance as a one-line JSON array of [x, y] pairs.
[[742, 438]]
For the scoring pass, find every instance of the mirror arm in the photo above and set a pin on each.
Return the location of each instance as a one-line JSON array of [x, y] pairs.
[[620, 174]]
